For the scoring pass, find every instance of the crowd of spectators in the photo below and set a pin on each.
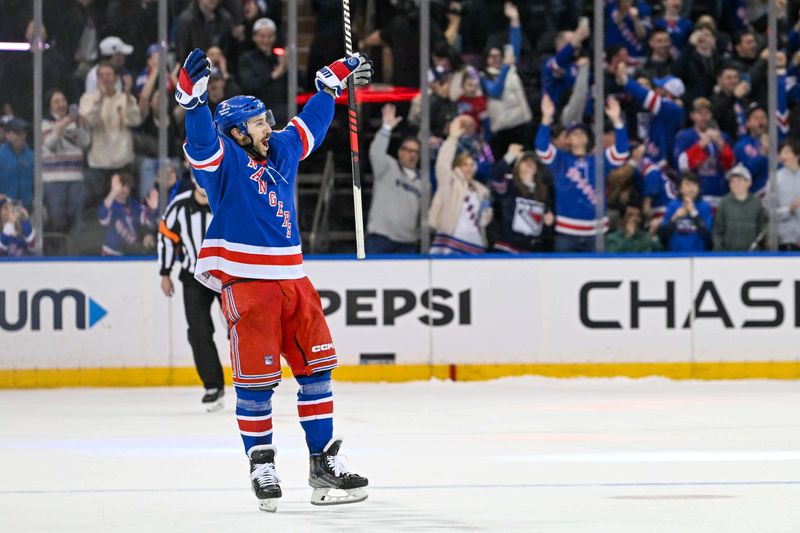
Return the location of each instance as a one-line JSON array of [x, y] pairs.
[[685, 144], [101, 121], [512, 109]]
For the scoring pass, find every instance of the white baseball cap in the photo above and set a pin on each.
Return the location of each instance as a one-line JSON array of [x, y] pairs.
[[114, 45], [264, 24], [672, 85]]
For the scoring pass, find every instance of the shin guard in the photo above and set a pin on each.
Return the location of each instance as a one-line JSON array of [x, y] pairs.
[[315, 407], [254, 415]]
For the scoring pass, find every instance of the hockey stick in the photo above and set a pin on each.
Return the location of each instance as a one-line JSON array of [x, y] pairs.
[[352, 115]]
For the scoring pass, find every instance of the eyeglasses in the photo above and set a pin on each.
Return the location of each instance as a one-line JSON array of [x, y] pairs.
[[412, 150]]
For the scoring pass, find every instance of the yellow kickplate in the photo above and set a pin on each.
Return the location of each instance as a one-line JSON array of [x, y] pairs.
[[162, 376]]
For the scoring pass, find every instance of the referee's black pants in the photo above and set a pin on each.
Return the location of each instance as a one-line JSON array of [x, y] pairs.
[[197, 300]]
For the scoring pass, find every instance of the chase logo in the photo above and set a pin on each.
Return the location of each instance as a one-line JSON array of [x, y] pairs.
[[31, 309]]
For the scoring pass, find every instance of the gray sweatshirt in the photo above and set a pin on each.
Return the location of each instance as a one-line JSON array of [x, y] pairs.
[[788, 190], [738, 224], [396, 197]]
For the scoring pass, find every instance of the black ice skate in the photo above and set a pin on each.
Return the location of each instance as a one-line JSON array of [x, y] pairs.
[[264, 477], [212, 400], [333, 483]]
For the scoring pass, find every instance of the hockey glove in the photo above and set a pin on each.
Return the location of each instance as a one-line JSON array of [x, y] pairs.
[[335, 75], [193, 80]]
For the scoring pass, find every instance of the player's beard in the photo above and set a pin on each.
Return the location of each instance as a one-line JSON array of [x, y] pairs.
[[263, 146], [256, 149]]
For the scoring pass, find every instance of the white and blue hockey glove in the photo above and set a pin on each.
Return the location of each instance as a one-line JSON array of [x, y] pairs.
[[334, 76], [193, 80]]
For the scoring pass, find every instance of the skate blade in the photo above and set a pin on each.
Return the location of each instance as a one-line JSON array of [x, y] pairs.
[[329, 496], [214, 406], [268, 505]]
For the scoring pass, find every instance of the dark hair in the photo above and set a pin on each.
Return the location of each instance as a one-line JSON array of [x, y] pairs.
[[793, 143], [445, 50], [613, 50], [738, 36], [107, 64], [541, 190], [48, 96], [411, 138], [488, 50], [727, 66], [689, 176], [656, 30], [125, 178], [634, 202]]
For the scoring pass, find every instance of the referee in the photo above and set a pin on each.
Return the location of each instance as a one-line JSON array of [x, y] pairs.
[[181, 234]]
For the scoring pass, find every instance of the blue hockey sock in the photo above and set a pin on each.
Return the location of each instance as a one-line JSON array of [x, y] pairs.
[[315, 407], [254, 415]]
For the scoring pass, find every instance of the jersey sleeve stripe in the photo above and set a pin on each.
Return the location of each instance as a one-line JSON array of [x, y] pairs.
[[306, 137], [548, 156], [652, 102], [616, 157], [209, 164]]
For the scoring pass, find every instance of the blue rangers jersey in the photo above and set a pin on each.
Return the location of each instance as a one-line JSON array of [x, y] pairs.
[[678, 29], [748, 148], [710, 163], [574, 180], [254, 230], [623, 32], [559, 73], [666, 119], [657, 186]]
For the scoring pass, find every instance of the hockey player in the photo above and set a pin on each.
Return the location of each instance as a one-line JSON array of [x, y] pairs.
[[574, 176], [252, 255]]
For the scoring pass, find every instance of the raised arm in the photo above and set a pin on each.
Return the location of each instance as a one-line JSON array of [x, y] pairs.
[[617, 155], [310, 126], [782, 110], [545, 149], [378, 156], [447, 154], [203, 147], [576, 106]]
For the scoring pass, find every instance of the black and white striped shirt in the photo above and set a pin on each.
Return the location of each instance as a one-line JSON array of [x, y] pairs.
[[181, 233]]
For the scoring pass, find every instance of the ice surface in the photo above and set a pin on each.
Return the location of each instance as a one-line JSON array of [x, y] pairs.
[[522, 454]]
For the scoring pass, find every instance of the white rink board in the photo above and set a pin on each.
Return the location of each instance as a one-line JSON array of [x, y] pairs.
[[484, 311], [363, 289], [651, 341], [775, 284]]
